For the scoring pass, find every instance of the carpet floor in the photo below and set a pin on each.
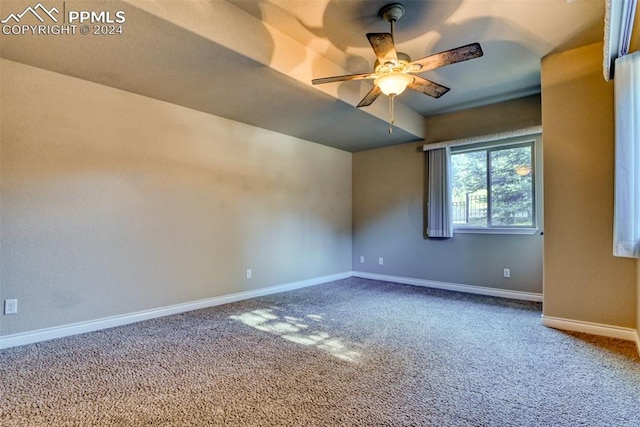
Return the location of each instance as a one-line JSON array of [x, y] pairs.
[[354, 352]]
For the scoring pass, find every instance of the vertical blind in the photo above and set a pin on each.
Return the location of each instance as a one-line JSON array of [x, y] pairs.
[[626, 220], [439, 213]]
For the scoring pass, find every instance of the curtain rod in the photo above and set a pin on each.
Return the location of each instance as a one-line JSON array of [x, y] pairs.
[[483, 138]]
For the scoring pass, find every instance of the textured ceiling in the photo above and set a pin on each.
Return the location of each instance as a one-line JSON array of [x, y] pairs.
[[253, 60]]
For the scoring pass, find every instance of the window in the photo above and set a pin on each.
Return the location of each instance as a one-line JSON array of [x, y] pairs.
[[626, 218], [493, 186]]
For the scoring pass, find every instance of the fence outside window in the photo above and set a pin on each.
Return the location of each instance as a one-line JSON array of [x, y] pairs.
[[472, 210]]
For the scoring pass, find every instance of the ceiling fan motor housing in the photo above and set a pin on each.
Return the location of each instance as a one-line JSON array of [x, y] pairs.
[[399, 66]]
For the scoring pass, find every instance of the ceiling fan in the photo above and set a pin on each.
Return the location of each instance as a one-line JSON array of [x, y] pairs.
[[395, 71]]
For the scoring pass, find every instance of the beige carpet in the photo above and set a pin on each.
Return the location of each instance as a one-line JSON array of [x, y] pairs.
[[349, 353]]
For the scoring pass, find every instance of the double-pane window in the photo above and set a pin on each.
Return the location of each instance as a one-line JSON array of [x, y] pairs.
[[493, 187]]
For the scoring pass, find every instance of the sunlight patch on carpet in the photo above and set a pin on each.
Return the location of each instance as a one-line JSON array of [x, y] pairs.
[[302, 331]]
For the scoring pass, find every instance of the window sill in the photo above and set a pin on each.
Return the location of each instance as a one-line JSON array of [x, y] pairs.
[[494, 230]]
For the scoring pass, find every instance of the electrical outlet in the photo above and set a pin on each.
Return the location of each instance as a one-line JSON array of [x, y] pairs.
[[361, 259], [248, 274], [507, 273], [10, 306], [380, 261]]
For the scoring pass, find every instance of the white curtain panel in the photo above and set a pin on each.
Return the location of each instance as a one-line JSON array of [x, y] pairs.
[[439, 212], [626, 220]]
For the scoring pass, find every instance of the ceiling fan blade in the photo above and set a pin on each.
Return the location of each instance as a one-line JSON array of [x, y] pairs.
[[459, 54], [382, 44], [427, 87], [370, 97], [342, 78]]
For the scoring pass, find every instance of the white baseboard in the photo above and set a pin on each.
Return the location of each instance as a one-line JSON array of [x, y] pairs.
[[628, 334], [592, 328], [481, 290], [39, 335], [46, 334]]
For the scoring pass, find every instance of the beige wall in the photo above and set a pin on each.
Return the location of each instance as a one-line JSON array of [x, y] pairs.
[[582, 279], [388, 197], [501, 117], [635, 35], [114, 203]]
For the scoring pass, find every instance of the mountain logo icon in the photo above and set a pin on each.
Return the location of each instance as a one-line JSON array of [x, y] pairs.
[[33, 11]]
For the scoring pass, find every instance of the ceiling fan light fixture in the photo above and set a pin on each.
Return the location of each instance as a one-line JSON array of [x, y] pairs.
[[392, 84]]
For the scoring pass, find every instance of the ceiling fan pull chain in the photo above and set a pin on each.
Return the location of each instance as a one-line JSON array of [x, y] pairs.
[[391, 113]]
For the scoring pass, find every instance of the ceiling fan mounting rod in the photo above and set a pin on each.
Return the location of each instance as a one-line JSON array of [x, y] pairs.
[[393, 27], [391, 13]]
